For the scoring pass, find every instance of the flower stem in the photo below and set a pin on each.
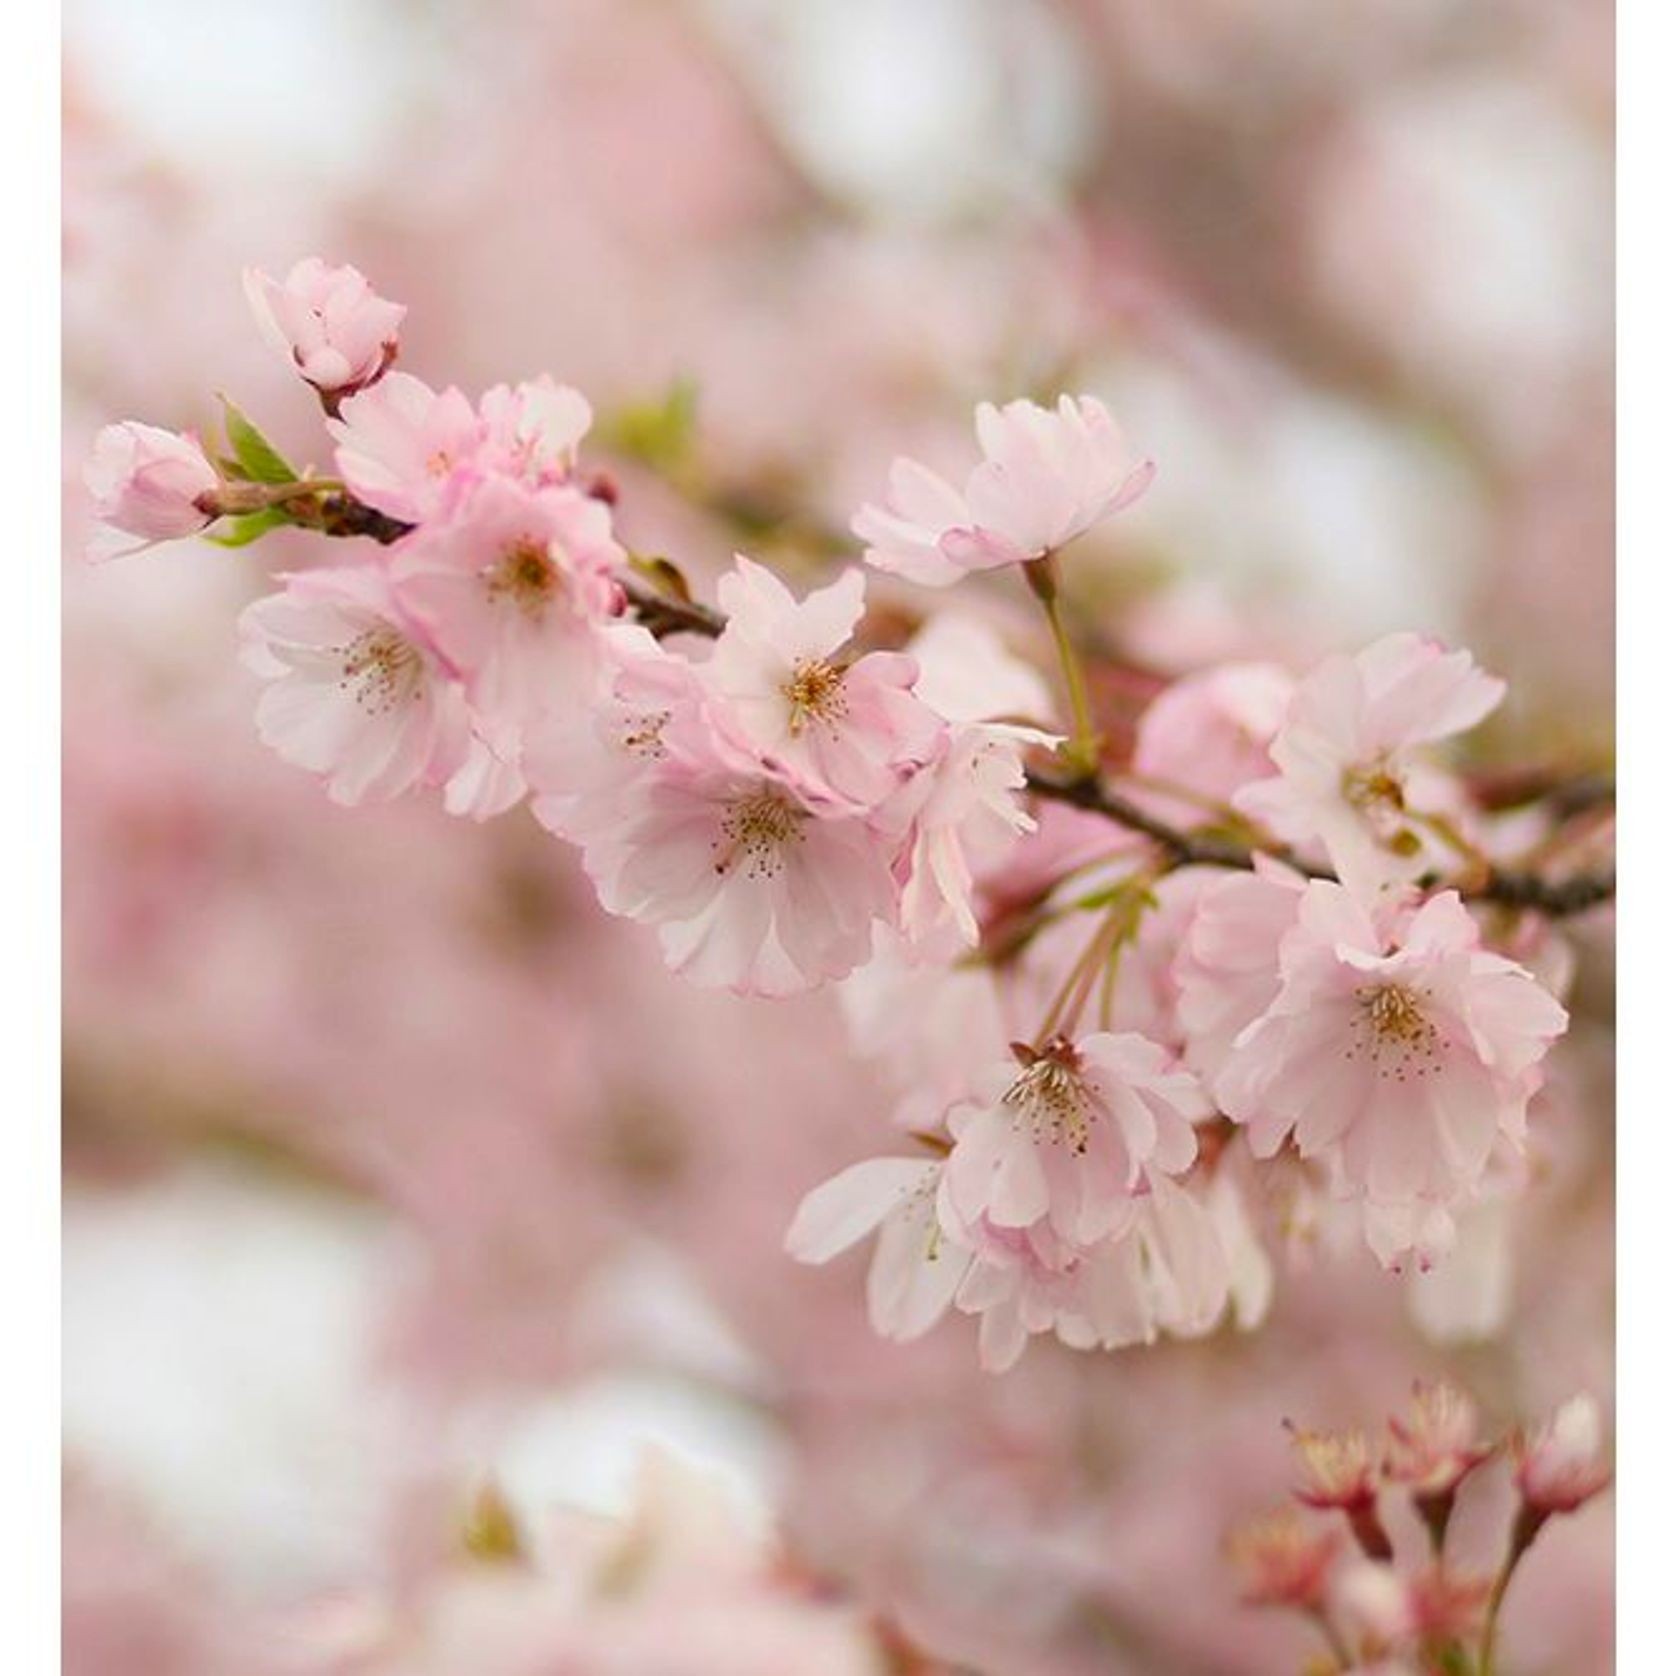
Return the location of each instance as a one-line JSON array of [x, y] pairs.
[[1082, 753], [1526, 1524]]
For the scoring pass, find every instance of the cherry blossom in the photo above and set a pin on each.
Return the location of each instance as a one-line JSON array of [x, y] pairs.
[[148, 485], [400, 445], [1047, 476], [1397, 1050], [328, 322], [1351, 773], [849, 727], [1065, 1135], [511, 587], [355, 690], [916, 1266], [1561, 1464], [1209, 734]]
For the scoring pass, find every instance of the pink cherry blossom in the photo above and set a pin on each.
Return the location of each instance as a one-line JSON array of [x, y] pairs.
[[851, 728], [1047, 476], [1162, 1268], [752, 886], [1397, 1050], [355, 691], [1561, 1464], [1227, 963], [916, 1265], [328, 322], [1065, 1139], [1351, 774], [532, 430], [148, 485], [511, 588], [1210, 733], [400, 445]]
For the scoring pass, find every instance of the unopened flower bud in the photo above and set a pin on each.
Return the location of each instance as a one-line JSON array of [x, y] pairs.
[[1560, 1464], [147, 485], [329, 322]]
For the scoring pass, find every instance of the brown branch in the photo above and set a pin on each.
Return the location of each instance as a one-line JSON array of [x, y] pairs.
[[1504, 887]]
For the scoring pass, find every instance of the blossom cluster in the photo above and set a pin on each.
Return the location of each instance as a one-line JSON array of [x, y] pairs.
[[1115, 989], [1376, 1610]]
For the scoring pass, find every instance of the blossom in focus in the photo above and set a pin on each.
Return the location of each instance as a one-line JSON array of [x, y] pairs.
[[1561, 1464], [1436, 1444], [849, 727], [752, 886], [916, 1267], [355, 691], [1047, 476], [532, 430], [400, 444], [328, 322], [511, 587], [1351, 776], [1398, 1050], [1065, 1140], [147, 485]]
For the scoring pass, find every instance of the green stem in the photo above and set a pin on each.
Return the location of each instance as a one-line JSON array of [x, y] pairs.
[[1526, 1524], [1082, 754]]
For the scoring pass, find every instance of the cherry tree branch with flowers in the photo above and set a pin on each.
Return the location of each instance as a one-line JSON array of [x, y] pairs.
[[1282, 934]]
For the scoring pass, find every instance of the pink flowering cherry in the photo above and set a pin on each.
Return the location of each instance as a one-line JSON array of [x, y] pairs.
[[1210, 733], [1352, 776], [355, 691], [916, 1267], [328, 322], [1561, 1464], [1227, 961], [1047, 476], [1064, 1135], [753, 885], [148, 485], [1397, 1050], [401, 445], [511, 587], [532, 430], [1162, 1268], [851, 727]]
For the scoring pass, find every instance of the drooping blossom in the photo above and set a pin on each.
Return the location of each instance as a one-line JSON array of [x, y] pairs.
[[1161, 1268], [328, 322], [511, 587], [1209, 734], [1397, 1051], [355, 691], [1047, 476], [400, 445], [916, 1266], [751, 885], [850, 727], [1561, 1464], [148, 485], [1067, 1135], [1352, 775]]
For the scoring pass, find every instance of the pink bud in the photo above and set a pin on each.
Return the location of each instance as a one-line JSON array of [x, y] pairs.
[[1559, 1466], [329, 322], [147, 483]]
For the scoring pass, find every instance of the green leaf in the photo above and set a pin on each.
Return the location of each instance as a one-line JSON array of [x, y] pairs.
[[249, 526], [256, 459], [661, 434]]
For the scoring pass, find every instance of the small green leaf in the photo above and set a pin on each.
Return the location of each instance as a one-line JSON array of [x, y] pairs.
[[661, 434], [257, 460], [248, 527], [664, 574]]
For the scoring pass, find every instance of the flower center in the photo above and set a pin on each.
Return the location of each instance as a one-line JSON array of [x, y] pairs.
[[382, 668], [755, 832], [1374, 787], [815, 693], [1052, 1101], [526, 575], [1392, 1028], [642, 733]]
